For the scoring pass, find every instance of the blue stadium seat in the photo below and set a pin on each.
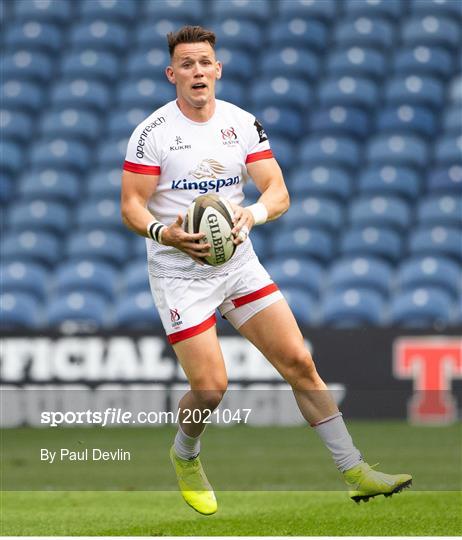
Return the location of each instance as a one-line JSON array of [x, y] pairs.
[[281, 122], [458, 317], [86, 309], [340, 121], [372, 242], [134, 277], [236, 63], [231, 91], [258, 10], [283, 151], [259, 242], [85, 276], [380, 211], [390, 180], [421, 308], [15, 125], [144, 93], [281, 91], [407, 119], [301, 303], [452, 122], [448, 150], [18, 310], [54, 11], [313, 212], [112, 153], [365, 272], [104, 183], [436, 241], [179, 11], [392, 9], [124, 11], [339, 151], [299, 272], [290, 62], [397, 149], [455, 90], [357, 62], [349, 92], [30, 246], [10, 157], [27, 66], [420, 91], [7, 189], [303, 242], [324, 10], [138, 246], [152, 33], [365, 32], [148, 63], [440, 210], [73, 123], [437, 272], [39, 215], [50, 185], [30, 278], [447, 8], [121, 124], [21, 95], [353, 307], [98, 245], [80, 93], [421, 60], [431, 31], [33, 35], [446, 179], [237, 34], [60, 154], [136, 311], [322, 181], [298, 32], [101, 214], [99, 34], [91, 64]]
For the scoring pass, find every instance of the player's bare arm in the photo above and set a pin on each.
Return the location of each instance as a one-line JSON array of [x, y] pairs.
[[136, 191], [269, 180]]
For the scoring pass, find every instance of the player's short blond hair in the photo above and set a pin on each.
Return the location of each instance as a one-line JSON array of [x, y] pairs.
[[189, 34]]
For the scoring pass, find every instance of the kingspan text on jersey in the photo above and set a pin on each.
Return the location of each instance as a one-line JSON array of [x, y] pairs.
[[206, 185]]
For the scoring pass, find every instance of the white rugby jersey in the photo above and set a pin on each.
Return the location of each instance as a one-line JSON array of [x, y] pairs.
[[191, 159]]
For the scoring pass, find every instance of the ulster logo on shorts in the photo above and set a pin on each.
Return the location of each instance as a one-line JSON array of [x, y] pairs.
[[175, 318]]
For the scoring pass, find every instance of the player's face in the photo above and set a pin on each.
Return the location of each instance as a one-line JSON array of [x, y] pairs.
[[194, 70]]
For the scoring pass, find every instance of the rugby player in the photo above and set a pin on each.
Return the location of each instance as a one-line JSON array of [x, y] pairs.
[[193, 145]]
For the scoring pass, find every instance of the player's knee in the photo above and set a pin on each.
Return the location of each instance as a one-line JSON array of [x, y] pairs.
[[210, 399], [300, 367]]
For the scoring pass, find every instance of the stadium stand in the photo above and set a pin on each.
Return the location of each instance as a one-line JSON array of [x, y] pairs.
[[362, 101]]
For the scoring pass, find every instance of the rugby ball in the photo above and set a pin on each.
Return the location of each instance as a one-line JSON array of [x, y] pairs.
[[213, 216]]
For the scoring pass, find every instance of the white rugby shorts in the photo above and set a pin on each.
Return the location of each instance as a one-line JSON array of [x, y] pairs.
[[187, 306]]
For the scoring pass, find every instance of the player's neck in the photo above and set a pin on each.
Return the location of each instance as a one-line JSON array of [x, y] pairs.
[[197, 114]]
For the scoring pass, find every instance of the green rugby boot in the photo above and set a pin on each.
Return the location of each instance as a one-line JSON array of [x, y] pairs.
[[365, 483], [193, 483]]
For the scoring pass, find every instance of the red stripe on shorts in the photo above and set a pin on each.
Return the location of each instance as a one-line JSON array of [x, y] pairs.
[[192, 331], [257, 156], [256, 295], [141, 169]]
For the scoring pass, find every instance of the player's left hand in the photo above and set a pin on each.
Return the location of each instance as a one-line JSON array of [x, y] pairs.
[[243, 223]]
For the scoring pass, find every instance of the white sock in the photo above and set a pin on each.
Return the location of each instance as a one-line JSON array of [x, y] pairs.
[[334, 433], [186, 447]]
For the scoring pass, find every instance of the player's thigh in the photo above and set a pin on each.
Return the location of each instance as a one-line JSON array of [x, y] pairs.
[[202, 360], [275, 333]]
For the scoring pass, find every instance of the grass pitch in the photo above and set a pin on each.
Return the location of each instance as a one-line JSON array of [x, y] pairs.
[[248, 465]]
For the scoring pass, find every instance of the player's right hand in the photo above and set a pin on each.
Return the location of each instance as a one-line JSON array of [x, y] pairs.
[[192, 244]]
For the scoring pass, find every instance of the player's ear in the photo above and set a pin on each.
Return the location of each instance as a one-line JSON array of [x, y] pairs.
[[219, 69], [170, 75]]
